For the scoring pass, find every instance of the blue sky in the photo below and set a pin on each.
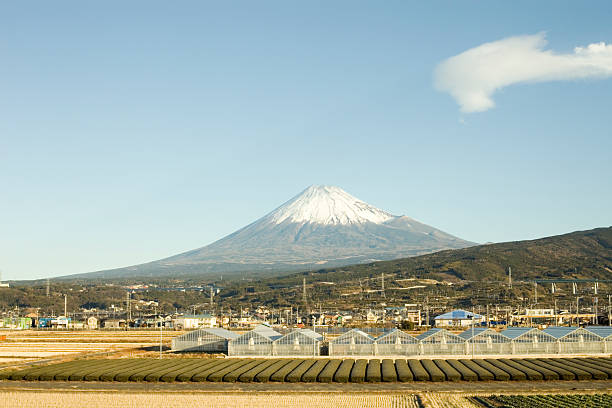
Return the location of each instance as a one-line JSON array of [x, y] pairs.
[[131, 131]]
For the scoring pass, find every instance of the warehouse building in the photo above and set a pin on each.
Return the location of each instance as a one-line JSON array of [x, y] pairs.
[[458, 318]]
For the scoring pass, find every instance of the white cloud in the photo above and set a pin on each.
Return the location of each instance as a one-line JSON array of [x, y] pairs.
[[474, 75]]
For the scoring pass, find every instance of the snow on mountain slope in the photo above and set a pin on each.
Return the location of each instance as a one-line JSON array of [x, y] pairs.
[[322, 225], [327, 205]]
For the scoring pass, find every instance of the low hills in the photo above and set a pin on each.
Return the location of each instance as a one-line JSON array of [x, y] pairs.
[[577, 255]]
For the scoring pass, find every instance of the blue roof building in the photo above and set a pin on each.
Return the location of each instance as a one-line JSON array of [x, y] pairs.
[[458, 318]]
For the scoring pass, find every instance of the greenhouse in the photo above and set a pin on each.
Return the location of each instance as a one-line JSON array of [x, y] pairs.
[[352, 343], [395, 343], [204, 340], [257, 342], [575, 340], [440, 342], [528, 340], [605, 333], [300, 342], [481, 340]]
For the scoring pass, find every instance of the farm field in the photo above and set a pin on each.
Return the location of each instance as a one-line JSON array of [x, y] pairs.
[[549, 401], [293, 399], [296, 370], [58, 343], [20, 399]]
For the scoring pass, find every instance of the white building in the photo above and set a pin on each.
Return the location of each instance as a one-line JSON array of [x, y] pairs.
[[187, 322], [458, 318]]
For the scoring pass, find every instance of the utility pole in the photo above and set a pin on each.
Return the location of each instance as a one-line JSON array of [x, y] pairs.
[[304, 290], [609, 310], [509, 277], [66, 306], [382, 280], [47, 287], [161, 335], [535, 292], [595, 302], [128, 308], [360, 290], [211, 296], [472, 333]]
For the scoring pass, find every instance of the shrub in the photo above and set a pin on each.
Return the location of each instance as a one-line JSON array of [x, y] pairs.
[[313, 372], [388, 373], [249, 376], [264, 376], [531, 374], [578, 373], [464, 372], [483, 374], [515, 375], [219, 375], [344, 371], [373, 372], [404, 373], [296, 374], [282, 373], [170, 376], [327, 374], [450, 373], [435, 373], [202, 374], [561, 372], [358, 372], [153, 376], [498, 374], [419, 373], [596, 373], [545, 372]]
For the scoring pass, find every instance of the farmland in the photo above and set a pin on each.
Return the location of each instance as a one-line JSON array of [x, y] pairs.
[[33, 344], [109, 398], [323, 370], [20, 399], [552, 401]]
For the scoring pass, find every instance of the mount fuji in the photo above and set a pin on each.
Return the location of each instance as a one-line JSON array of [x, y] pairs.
[[322, 226]]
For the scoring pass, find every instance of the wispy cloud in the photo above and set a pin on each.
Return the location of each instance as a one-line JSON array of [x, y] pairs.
[[474, 75]]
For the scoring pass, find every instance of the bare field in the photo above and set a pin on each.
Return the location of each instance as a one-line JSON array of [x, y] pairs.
[[57, 343], [109, 398], [96, 399]]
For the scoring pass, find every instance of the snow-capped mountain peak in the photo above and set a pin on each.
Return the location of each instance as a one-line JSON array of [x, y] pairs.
[[328, 205]]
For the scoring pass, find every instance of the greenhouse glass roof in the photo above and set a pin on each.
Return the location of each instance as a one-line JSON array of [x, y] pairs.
[[601, 331]]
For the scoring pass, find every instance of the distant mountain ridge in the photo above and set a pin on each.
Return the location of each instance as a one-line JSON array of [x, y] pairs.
[[576, 255], [323, 226]]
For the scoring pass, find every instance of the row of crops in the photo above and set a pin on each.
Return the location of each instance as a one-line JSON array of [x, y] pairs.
[[318, 370], [549, 401]]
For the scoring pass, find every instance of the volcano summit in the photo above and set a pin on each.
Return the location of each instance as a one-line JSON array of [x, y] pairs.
[[323, 226]]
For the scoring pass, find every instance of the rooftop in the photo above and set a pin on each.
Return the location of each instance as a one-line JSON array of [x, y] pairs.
[[458, 315]]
